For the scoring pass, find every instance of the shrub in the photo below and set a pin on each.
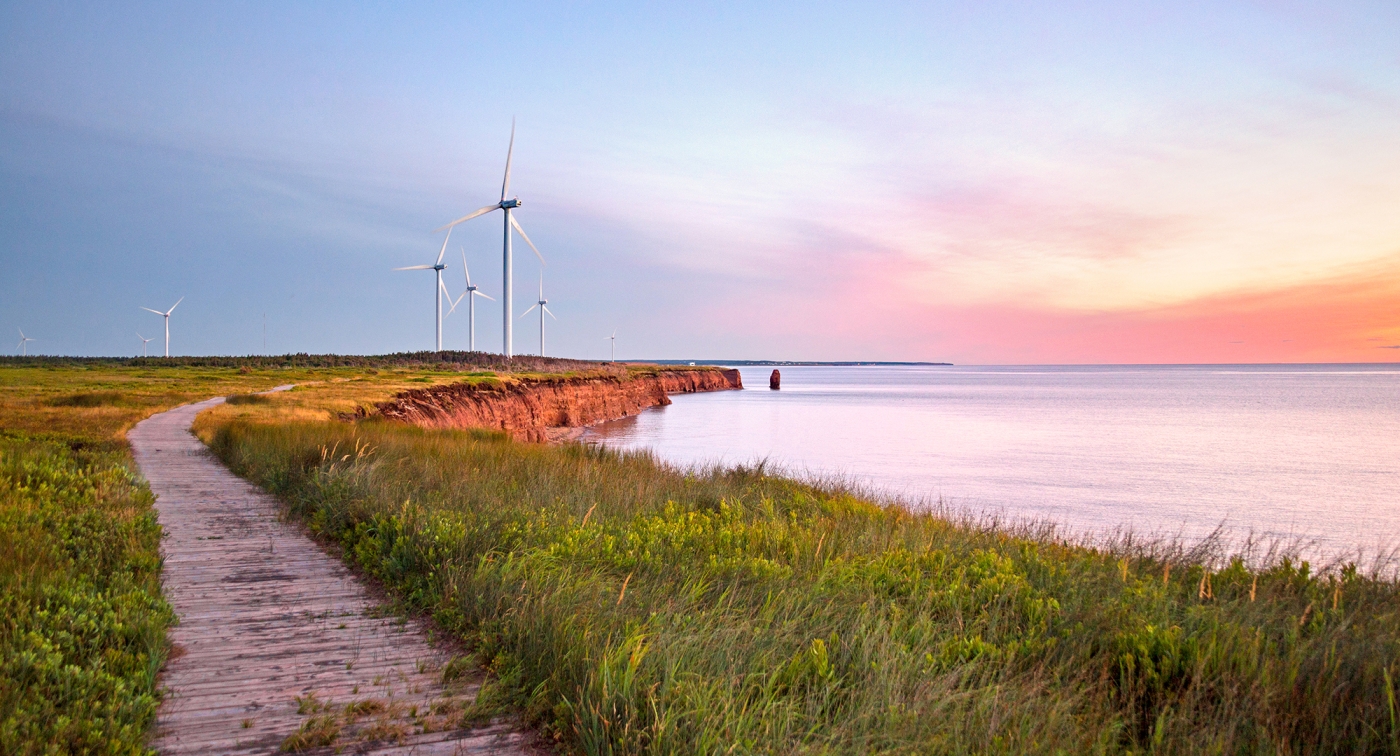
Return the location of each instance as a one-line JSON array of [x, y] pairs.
[[87, 399], [82, 621]]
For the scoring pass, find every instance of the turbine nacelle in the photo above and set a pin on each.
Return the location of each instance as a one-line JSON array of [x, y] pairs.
[[510, 203]]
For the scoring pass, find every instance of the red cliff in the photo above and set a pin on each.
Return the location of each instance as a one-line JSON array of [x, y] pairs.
[[527, 407]]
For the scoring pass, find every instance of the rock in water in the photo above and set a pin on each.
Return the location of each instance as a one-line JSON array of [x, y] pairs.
[[774, 380]]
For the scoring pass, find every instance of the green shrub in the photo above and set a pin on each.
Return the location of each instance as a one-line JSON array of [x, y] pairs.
[[87, 399], [82, 621]]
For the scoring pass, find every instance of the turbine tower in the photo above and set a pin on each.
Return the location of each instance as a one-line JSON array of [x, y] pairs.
[[24, 342], [506, 262], [440, 290], [471, 294], [166, 315], [612, 346], [144, 342], [543, 309]]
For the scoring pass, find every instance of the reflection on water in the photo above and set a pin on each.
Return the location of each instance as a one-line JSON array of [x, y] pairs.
[[1285, 451]]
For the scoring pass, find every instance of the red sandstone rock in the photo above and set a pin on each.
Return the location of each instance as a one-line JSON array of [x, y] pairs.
[[525, 408], [775, 380]]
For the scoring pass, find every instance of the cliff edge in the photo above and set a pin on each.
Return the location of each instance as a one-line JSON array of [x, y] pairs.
[[527, 407]]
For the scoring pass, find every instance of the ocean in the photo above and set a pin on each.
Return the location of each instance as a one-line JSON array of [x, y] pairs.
[[1303, 454]]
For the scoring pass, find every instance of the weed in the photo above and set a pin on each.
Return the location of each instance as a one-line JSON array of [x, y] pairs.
[[315, 732]]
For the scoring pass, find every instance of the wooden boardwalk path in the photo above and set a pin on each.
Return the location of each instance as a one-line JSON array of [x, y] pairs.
[[276, 636]]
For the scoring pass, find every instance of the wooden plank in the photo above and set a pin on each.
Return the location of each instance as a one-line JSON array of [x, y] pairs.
[[266, 616]]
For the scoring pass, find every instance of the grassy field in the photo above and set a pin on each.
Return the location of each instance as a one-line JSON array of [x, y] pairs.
[[628, 608], [82, 621]]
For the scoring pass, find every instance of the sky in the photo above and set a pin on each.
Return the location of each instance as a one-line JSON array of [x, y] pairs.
[[977, 183]]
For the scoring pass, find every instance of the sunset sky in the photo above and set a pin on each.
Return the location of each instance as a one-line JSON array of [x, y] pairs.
[[974, 183]]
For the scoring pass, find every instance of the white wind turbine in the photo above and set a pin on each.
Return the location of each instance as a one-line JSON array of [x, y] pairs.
[[166, 315], [543, 309], [471, 294], [440, 290], [144, 342], [506, 263], [612, 346], [24, 342]]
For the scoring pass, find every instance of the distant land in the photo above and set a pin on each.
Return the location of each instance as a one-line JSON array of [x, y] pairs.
[[761, 363]]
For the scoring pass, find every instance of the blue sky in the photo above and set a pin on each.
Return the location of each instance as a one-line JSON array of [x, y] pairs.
[[975, 183]]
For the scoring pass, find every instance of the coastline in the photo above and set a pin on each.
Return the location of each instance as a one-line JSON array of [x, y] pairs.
[[551, 408]]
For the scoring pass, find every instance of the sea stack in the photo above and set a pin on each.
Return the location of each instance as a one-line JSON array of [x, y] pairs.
[[775, 380]]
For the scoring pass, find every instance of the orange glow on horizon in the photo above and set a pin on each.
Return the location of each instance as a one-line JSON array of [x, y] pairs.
[[1352, 319]]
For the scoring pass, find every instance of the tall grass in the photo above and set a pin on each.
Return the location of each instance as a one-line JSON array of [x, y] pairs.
[[82, 621], [628, 608]]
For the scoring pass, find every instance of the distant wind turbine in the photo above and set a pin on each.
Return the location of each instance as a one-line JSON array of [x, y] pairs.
[[471, 294], [24, 342], [507, 266], [543, 309], [166, 315], [144, 341], [440, 290], [612, 346]]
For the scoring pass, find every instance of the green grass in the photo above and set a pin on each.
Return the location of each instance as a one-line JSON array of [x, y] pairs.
[[627, 608], [82, 621]]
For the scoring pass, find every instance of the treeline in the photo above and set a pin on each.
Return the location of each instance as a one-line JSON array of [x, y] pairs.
[[450, 360]]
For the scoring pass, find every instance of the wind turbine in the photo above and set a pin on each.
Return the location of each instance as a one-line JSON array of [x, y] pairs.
[[543, 309], [166, 315], [612, 348], [144, 342], [440, 290], [506, 263], [24, 342], [471, 294]]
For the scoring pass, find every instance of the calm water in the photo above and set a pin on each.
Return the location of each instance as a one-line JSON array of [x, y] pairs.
[[1287, 451]]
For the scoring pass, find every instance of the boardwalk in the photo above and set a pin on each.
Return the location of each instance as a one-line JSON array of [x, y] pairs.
[[276, 637]]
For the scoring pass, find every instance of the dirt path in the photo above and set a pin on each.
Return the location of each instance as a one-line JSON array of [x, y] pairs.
[[276, 636]]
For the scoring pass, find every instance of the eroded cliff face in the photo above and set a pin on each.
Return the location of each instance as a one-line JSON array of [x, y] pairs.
[[527, 408]]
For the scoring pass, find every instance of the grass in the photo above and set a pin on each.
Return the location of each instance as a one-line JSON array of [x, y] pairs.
[[629, 608], [82, 621]]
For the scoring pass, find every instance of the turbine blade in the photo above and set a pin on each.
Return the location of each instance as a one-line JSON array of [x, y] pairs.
[[521, 231], [465, 271], [411, 267], [443, 251], [527, 312], [147, 309], [546, 309], [505, 185], [469, 216], [453, 308], [488, 296], [21, 332], [172, 307], [442, 287]]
